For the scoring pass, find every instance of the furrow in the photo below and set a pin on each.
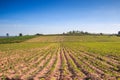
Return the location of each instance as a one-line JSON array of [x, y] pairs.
[[44, 71], [73, 68]]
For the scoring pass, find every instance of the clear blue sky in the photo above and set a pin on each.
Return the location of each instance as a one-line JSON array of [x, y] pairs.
[[57, 16]]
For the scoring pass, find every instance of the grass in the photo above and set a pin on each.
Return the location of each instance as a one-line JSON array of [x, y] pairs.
[[16, 39], [18, 46], [103, 45], [102, 48], [90, 38]]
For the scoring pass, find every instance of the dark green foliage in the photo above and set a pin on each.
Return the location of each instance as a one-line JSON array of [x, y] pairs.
[[7, 34], [14, 39], [82, 33], [38, 34], [118, 32], [20, 34], [77, 33]]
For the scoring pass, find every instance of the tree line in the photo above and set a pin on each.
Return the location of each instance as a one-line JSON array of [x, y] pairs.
[[81, 33], [87, 33], [20, 34], [72, 33]]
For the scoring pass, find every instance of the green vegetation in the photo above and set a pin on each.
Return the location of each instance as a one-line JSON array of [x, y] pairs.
[[16, 39], [90, 38], [103, 45], [18, 46], [64, 57]]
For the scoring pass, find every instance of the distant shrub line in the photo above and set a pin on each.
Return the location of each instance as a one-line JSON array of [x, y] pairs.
[[79, 33]]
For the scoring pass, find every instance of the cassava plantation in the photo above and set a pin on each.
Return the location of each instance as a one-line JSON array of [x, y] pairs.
[[61, 58]]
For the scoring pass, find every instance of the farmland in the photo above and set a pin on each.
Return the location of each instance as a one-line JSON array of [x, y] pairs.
[[61, 58], [16, 39]]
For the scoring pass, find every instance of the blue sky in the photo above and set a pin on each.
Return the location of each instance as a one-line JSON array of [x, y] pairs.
[[58, 16]]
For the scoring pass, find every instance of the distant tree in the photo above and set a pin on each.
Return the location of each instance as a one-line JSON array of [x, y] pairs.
[[77, 31], [38, 34], [20, 34], [82, 32], [63, 33], [86, 33], [101, 33], [70, 32], [118, 32], [73, 32], [7, 34]]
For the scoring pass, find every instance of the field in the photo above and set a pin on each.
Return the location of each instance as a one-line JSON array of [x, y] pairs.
[[16, 39], [61, 58]]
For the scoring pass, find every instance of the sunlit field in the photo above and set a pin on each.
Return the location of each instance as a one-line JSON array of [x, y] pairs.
[[61, 58]]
